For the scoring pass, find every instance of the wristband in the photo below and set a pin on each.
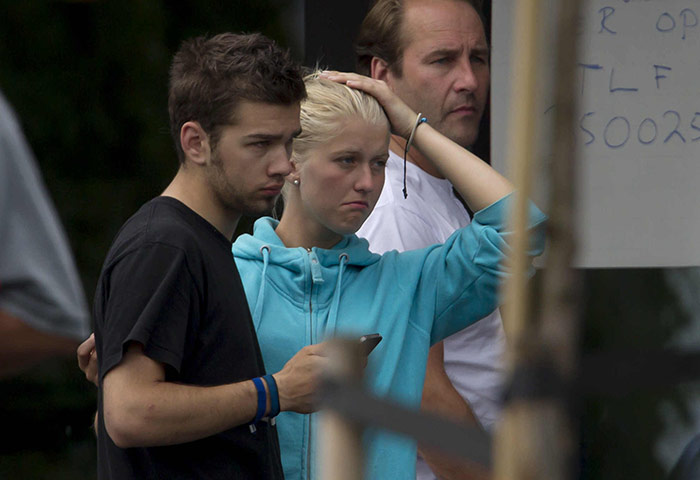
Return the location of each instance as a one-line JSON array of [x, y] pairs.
[[274, 396], [262, 402], [419, 119]]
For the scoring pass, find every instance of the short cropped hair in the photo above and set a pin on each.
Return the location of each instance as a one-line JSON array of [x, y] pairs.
[[380, 35], [210, 76], [326, 106]]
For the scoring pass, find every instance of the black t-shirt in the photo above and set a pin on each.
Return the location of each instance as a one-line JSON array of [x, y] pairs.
[[170, 283]]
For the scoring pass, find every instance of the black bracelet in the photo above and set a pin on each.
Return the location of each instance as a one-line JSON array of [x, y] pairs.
[[419, 119]]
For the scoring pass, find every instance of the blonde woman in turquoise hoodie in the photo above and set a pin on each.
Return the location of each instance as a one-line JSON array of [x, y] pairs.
[[308, 277]]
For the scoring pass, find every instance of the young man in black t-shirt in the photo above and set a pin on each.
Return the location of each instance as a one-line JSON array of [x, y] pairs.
[[179, 373]]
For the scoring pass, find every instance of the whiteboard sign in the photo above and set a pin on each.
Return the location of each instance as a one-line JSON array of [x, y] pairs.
[[638, 127]]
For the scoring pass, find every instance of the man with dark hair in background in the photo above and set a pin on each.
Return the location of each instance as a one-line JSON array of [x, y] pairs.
[[182, 386], [435, 56]]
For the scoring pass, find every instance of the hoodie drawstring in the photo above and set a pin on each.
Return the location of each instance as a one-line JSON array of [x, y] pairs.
[[257, 314], [343, 260]]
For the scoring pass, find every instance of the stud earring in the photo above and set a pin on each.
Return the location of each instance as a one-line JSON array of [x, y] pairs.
[[296, 181]]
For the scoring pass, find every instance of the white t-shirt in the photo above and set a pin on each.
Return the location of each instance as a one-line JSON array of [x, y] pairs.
[[430, 214]]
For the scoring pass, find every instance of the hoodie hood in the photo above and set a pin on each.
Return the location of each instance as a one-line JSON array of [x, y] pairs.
[[250, 247], [301, 268]]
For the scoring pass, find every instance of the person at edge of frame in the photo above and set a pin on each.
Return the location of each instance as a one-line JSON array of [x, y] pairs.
[[43, 312]]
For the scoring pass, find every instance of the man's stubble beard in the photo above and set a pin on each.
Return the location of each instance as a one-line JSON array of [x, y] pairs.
[[469, 136], [465, 141], [229, 197]]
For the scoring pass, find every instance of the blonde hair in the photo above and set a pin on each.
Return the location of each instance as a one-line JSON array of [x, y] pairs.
[[327, 105]]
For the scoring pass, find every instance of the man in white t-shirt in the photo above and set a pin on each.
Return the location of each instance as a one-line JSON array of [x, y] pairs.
[[435, 56]]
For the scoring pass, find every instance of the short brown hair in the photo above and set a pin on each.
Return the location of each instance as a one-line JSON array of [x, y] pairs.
[[380, 35], [209, 76]]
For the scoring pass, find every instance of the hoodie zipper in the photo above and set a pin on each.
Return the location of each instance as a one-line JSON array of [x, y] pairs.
[[311, 340]]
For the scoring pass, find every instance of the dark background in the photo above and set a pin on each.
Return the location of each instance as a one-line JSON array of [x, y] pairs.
[[88, 80]]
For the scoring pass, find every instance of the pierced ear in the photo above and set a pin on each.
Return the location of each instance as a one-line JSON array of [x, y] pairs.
[[293, 176], [195, 143]]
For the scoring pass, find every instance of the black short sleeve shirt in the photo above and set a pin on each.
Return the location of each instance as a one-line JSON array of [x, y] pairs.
[[170, 283]]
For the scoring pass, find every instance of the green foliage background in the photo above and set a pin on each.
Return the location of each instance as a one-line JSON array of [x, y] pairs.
[[630, 310], [88, 81]]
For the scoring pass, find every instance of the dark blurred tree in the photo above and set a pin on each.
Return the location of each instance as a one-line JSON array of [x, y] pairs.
[[628, 310], [88, 80]]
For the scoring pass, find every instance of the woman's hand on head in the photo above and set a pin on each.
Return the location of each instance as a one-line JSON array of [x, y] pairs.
[[400, 115]]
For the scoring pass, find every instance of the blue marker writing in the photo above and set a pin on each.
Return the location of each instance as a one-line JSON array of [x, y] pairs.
[[652, 123], [585, 66], [607, 13], [696, 126], [660, 28], [658, 75], [626, 136], [619, 89], [688, 15], [580, 124], [675, 131]]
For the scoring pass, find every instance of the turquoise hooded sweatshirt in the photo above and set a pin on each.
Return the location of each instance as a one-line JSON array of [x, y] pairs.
[[413, 299]]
